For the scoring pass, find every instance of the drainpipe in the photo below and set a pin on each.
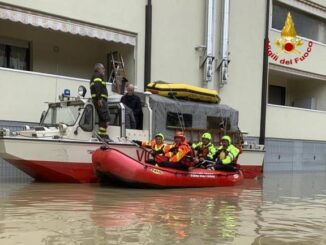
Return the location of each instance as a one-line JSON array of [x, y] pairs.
[[148, 44], [224, 63], [264, 79], [210, 41]]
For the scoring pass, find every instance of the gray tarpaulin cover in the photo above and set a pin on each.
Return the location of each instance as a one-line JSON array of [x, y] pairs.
[[199, 111]]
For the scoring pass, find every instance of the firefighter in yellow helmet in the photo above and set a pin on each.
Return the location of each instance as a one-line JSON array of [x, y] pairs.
[[226, 155], [205, 150], [157, 147]]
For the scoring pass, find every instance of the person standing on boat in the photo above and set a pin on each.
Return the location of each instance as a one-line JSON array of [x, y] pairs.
[[133, 101], [226, 155], [157, 147], [205, 150], [179, 154], [99, 95]]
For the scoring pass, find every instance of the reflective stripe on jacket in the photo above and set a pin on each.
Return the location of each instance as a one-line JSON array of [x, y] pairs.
[[231, 154], [98, 88], [157, 149], [207, 151], [180, 152]]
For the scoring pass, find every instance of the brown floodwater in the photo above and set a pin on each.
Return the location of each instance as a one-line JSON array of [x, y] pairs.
[[278, 209]]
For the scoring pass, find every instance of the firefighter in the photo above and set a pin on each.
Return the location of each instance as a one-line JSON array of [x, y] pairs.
[[99, 95], [179, 154], [205, 150], [157, 147], [226, 155]]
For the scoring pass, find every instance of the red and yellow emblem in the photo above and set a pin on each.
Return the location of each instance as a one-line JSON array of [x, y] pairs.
[[288, 40], [156, 171]]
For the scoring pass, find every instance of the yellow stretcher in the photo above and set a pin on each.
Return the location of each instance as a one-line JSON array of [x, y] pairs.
[[183, 91]]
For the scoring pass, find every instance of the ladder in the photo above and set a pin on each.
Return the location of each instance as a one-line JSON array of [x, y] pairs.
[[116, 69]]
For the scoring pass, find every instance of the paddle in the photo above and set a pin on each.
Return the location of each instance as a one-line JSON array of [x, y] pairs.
[[102, 140], [205, 161], [138, 143]]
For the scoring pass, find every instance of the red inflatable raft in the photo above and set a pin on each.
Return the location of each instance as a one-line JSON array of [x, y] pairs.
[[116, 167]]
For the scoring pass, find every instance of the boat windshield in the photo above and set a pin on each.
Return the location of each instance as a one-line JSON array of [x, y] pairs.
[[57, 113]]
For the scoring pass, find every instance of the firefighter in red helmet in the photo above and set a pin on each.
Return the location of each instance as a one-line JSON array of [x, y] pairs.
[[179, 154]]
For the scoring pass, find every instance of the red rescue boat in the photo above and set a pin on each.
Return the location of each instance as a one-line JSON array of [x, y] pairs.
[[116, 167]]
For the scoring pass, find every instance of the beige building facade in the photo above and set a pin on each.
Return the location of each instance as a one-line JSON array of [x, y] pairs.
[[53, 45]]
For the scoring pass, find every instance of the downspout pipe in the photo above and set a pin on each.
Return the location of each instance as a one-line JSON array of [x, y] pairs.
[[224, 63], [148, 44], [264, 79], [210, 42]]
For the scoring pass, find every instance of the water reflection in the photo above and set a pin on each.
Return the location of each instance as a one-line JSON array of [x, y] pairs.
[[294, 210], [282, 209]]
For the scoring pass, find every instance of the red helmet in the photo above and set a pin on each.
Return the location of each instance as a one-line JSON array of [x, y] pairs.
[[179, 134]]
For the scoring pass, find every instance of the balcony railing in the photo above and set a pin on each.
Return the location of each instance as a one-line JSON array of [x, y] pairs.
[[24, 93], [295, 123]]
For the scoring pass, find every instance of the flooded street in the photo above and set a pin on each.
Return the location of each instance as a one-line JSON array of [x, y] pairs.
[[279, 209]]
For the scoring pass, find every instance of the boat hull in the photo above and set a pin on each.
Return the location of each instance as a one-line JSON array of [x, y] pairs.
[[70, 161], [53, 160], [251, 162], [60, 172], [118, 166]]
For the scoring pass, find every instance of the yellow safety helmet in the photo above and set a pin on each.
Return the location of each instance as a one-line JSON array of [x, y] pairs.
[[159, 135], [227, 138], [207, 136]]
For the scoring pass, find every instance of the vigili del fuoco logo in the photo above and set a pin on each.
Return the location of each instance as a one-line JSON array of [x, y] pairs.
[[288, 45]]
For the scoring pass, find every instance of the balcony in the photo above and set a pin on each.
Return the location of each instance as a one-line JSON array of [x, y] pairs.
[[285, 122], [312, 62]]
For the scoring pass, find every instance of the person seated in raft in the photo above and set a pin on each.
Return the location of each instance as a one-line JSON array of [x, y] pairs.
[[205, 150], [226, 156], [179, 154], [157, 147]]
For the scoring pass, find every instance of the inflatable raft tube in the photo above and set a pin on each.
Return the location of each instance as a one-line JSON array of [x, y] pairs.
[[183, 91]]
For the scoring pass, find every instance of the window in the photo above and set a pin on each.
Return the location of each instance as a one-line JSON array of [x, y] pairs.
[[306, 25], [218, 123], [276, 95], [178, 120], [86, 121], [61, 114], [14, 54]]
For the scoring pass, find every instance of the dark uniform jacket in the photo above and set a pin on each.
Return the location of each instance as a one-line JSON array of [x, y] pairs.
[[133, 102], [98, 88]]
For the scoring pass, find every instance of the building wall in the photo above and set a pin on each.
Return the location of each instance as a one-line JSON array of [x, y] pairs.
[[65, 54], [321, 2], [309, 89], [298, 88], [127, 15], [178, 61], [315, 61], [178, 27], [295, 123], [294, 155], [243, 90]]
